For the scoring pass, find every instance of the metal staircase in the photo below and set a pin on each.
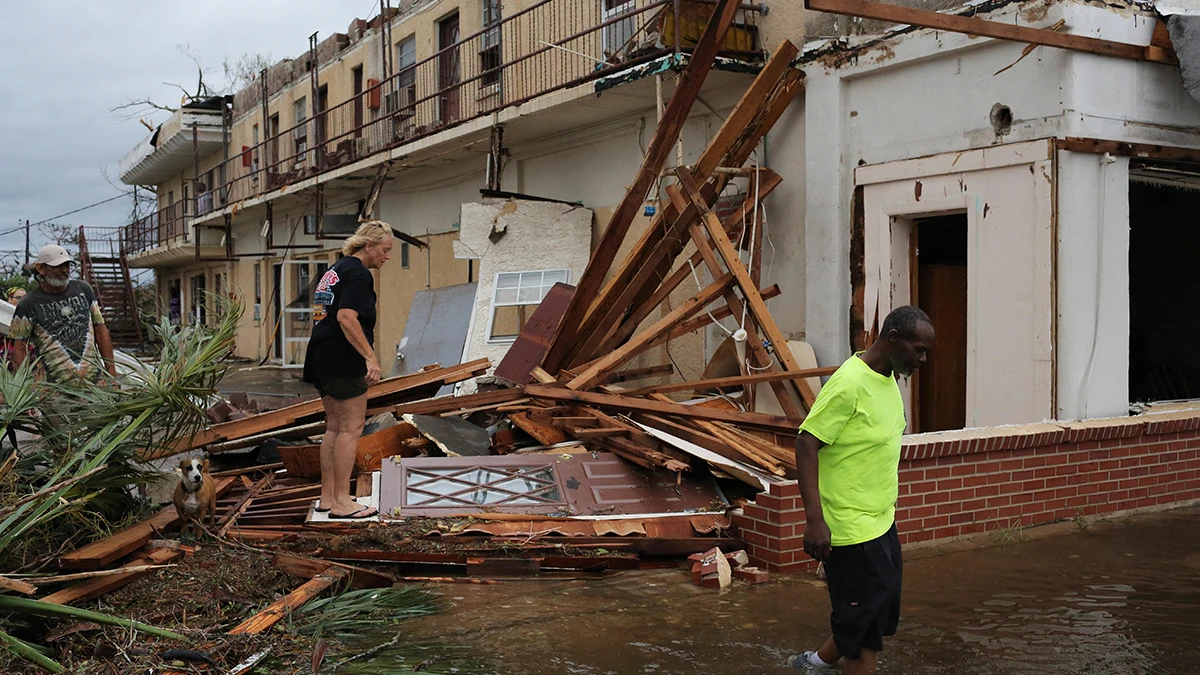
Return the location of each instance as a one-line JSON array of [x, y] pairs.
[[104, 265]]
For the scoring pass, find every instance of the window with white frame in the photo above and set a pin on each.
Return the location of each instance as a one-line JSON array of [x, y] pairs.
[[514, 297], [489, 50], [406, 75], [300, 110]]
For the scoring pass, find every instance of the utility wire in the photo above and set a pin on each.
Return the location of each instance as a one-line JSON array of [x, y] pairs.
[[63, 215]]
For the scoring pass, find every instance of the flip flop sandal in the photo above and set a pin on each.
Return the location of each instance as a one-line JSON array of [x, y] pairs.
[[319, 509], [356, 515]]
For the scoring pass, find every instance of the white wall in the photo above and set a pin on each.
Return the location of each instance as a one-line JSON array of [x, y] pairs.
[[1093, 286], [1006, 194], [929, 92]]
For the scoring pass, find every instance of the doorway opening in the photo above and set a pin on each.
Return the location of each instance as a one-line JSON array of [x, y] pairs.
[[940, 288], [1163, 238]]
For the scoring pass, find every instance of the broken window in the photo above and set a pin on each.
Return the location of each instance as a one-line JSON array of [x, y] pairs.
[[515, 296]]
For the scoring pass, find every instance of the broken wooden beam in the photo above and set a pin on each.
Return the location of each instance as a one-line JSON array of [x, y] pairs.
[[979, 27], [264, 620], [94, 588], [615, 402], [106, 551], [670, 126], [243, 504], [726, 382], [357, 577], [385, 392]]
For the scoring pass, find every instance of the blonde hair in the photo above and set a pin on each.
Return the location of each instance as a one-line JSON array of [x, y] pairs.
[[370, 232]]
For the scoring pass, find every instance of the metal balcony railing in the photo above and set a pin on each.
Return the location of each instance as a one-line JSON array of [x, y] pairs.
[[548, 46], [165, 226]]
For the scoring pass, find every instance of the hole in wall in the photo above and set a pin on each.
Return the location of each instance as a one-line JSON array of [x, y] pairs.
[[1001, 118]]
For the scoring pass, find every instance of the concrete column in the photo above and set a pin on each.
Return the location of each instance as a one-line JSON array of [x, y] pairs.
[[1093, 286], [829, 188]]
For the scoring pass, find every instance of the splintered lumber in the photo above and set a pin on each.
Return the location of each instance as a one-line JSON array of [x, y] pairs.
[[384, 392], [971, 25], [726, 382], [136, 569], [443, 404], [705, 320], [618, 330], [637, 344], [17, 586], [264, 620], [636, 374], [615, 402], [243, 504], [546, 434], [358, 577], [534, 339], [665, 136], [753, 341], [102, 553]]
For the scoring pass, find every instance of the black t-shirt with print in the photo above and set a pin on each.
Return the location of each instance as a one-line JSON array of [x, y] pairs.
[[346, 285]]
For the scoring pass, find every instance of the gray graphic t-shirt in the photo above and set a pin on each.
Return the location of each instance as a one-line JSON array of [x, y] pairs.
[[61, 327]]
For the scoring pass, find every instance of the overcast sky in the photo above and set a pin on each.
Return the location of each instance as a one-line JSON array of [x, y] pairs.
[[64, 64]]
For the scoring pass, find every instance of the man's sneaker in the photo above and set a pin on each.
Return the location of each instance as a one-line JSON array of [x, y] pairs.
[[804, 662]]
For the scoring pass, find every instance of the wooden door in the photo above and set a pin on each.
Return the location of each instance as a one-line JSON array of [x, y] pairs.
[[448, 69]]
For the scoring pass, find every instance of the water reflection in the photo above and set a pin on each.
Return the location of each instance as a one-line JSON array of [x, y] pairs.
[[1123, 599]]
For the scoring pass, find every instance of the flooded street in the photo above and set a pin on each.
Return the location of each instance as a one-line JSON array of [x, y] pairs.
[[1120, 598]]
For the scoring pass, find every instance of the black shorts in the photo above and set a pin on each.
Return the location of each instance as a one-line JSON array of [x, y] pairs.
[[342, 388], [864, 589]]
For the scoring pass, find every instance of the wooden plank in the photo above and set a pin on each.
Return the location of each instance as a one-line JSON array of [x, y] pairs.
[[534, 339], [17, 586], [757, 307], [626, 328], [637, 344], [735, 381], [614, 402], [588, 433], [1123, 149], [541, 376], [264, 620], [104, 552], [243, 504], [978, 27], [443, 404], [749, 107], [753, 341], [661, 145], [358, 576], [377, 395], [545, 434], [639, 373], [718, 314], [94, 588]]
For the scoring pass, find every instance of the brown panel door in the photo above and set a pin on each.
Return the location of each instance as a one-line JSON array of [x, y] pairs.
[[943, 380], [448, 69]]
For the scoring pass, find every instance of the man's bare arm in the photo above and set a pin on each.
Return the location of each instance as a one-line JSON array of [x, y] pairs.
[[104, 342], [816, 532], [20, 352]]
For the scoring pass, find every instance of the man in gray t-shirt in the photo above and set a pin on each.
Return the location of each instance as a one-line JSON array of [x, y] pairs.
[[62, 321]]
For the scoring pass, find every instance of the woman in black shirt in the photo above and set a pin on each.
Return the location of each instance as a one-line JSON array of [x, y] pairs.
[[341, 360]]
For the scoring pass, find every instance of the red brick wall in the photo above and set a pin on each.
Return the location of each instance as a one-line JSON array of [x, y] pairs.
[[971, 481]]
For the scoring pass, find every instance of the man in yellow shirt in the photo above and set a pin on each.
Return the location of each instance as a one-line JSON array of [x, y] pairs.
[[848, 457]]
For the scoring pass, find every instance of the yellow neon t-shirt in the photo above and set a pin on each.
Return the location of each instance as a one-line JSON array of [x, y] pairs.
[[859, 415]]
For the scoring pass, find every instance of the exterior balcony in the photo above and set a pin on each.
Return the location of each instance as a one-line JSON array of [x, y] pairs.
[[194, 130]]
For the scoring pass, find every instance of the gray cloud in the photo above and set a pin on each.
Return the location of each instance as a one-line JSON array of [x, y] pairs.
[[63, 65]]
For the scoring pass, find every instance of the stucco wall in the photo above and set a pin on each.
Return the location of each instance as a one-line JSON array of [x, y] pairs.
[[528, 236]]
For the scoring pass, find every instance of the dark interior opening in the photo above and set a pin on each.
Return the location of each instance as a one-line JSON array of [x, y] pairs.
[[941, 290], [1164, 236]]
